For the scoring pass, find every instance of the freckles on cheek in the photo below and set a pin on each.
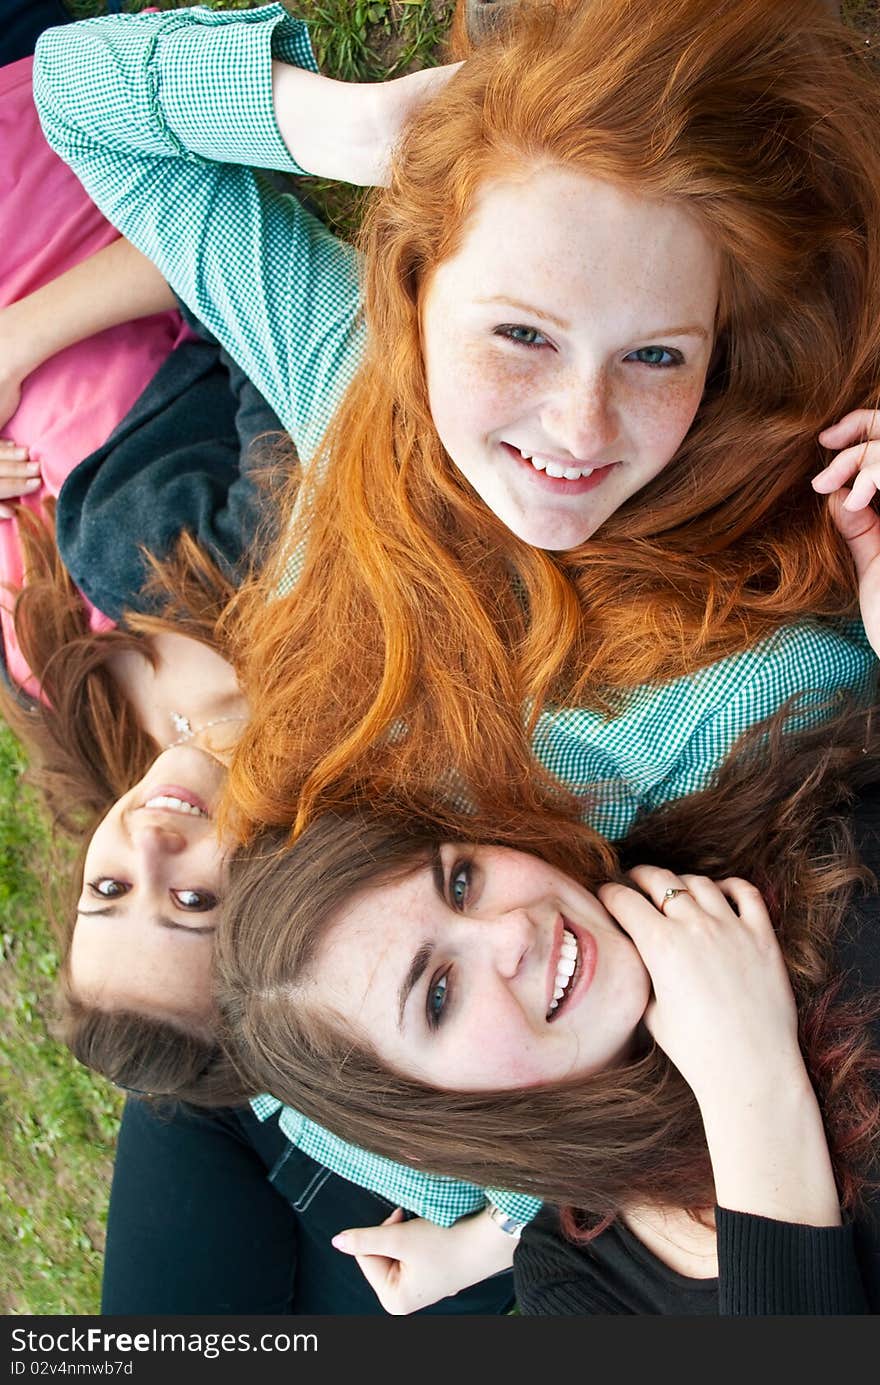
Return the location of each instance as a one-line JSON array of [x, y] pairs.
[[478, 383], [672, 411]]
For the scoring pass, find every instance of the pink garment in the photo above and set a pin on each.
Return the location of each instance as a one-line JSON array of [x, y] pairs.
[[71, 404]]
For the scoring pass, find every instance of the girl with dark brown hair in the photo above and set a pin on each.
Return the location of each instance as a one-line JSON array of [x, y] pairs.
[[623, 275]]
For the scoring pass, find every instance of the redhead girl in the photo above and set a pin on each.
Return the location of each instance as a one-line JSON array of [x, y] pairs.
[[622, 278]]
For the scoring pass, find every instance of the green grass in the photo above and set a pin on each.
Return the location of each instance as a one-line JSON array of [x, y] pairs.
[[58, 1121]]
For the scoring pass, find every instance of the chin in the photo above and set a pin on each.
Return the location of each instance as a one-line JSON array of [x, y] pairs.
[[551, 536]]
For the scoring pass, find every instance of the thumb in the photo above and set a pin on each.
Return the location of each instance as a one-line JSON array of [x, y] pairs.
[[860, 529], [371, 1240]]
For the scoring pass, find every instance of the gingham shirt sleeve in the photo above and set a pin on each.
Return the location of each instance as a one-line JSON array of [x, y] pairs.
[[669, 739], [440, 1200], [156, 114], [815, 664]]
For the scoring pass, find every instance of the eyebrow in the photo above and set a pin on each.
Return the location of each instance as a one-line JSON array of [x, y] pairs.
[[416, 971], [423, 956], [529, 310], [693, 329], [160, 920]]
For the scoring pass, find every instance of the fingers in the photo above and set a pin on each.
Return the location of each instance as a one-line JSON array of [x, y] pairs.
[[748, 902], [863, 460], [372, 1240], [18, 474], [695, 894], [655, 881], [859, 426], [374, 1252], [636, 915]]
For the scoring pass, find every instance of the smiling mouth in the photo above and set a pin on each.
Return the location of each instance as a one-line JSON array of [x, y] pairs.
[[173, 799], [569, 480], [568, 966]]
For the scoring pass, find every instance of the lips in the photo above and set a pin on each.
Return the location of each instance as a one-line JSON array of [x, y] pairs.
[[171, 798], [542, 474], [571, 943]]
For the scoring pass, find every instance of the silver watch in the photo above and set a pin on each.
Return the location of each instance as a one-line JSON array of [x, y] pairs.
[[509, 1225]]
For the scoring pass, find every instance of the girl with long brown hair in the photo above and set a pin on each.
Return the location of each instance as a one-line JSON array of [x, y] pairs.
[[115, 444], [624, 274], [690, 1069]]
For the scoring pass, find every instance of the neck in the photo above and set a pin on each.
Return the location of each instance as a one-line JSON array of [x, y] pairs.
[[189, 681]]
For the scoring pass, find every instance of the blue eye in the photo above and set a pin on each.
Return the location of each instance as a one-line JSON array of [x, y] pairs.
[[197, 901], [657, 356], [435, 1001], [525, 336], [459, 884], [107, 888]]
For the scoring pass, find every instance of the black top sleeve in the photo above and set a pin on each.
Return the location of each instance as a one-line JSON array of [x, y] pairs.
[[183, 459]]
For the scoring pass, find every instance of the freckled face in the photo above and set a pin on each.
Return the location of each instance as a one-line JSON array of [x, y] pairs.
[[566, 347], [491, 970]]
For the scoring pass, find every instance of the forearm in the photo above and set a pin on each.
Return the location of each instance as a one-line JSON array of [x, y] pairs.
[[769, 1152], [348, 130], [486, 1248], [117, 284], [156, 115]]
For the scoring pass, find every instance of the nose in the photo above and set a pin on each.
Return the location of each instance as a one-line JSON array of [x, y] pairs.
[[509, 940], [152, 843], [579, 416]]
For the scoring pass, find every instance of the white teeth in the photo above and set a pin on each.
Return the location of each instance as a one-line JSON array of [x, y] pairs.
[[565, 968], [177, 805], [556, 469]]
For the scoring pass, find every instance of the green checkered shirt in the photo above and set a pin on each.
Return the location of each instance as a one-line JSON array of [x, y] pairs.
[[164, 118]]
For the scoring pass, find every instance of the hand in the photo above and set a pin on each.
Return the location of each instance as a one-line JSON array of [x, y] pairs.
[[18, 475], [411, 1264], [856, 440], [858, 434], [723, 1008]]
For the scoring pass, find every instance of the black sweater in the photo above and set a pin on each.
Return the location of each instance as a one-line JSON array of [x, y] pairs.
[[764, 1267], [182, 459]]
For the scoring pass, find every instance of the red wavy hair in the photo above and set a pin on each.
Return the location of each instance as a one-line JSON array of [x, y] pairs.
[[420, 626]]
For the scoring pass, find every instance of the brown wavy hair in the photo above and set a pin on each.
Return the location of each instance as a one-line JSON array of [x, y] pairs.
[[779, 814], [86, 748], [420, 626]]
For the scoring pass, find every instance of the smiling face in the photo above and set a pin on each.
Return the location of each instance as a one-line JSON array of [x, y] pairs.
[[153, 876], [489, 970], [566, 347]]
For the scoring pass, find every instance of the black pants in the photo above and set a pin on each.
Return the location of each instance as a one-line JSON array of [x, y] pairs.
[[216, 1212]]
